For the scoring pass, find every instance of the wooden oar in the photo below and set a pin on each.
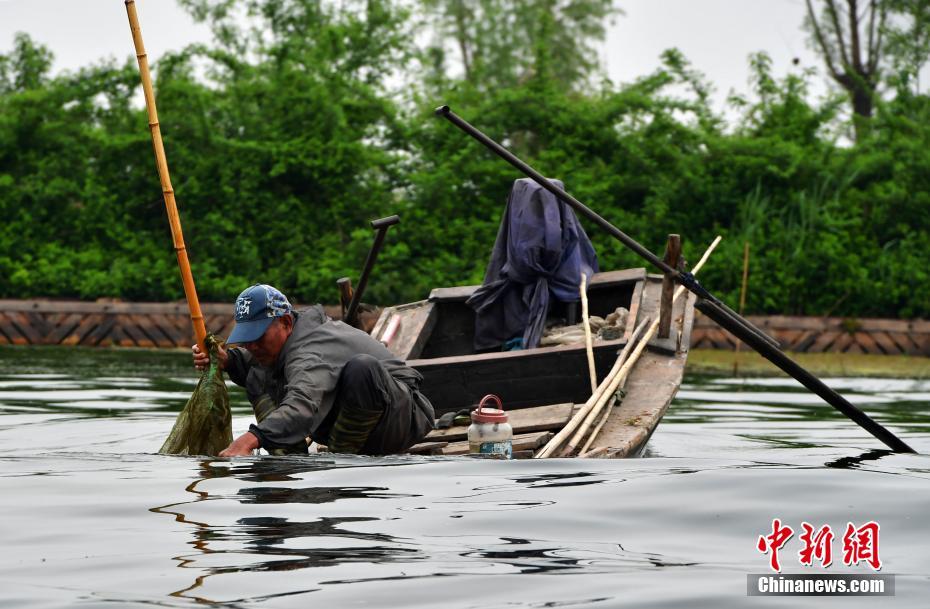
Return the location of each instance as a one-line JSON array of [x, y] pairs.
[[193, 304]]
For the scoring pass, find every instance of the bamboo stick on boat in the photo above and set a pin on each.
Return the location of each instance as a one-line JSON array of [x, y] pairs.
[[600, 424], [584, 417], [616, 382], [620, 380], [573, 423], [589, 348]]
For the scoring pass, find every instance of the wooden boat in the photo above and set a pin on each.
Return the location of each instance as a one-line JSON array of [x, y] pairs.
[[541, 387]]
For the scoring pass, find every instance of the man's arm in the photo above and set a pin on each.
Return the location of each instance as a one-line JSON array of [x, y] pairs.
[[308, 380]]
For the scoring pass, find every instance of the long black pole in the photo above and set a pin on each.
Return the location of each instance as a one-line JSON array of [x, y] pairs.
[[713, 308]]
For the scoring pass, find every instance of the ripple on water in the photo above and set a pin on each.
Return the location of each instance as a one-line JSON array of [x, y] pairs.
[[92, 516]]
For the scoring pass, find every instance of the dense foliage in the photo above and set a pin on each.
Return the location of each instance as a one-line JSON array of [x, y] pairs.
[[282, 145]]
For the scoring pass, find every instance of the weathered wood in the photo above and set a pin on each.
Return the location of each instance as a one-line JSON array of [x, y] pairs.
[[345, 294], [520, 378], [884, 341], [21, 322], [539, 418], [6, 330], [427, 448], [416, 323], [598, 452], [607, 279], [635, 304], [88, 323], [71, 306], [671, 258], [136, 335], [521, 442], [866, 342], [904, 342]]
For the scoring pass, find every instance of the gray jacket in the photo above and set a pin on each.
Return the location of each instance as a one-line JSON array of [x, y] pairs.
[[302, 382]]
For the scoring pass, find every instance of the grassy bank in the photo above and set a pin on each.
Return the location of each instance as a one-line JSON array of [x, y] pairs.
[[750, 363]]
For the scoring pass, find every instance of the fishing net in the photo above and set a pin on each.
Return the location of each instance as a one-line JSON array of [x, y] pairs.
[[204, 427]]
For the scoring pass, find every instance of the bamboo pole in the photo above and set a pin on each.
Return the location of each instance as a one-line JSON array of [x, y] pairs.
[[615, 383], [620, 379], [589, 348], [600, 424], [586, 415], [556, 441], [174, 220]]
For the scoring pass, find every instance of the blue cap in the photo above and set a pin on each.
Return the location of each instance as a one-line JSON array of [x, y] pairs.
[[256, 308]]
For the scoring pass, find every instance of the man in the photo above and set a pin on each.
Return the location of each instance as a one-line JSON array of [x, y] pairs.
[[307, 375]]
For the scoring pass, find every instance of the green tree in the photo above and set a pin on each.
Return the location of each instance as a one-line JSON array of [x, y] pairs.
[[497, 43]]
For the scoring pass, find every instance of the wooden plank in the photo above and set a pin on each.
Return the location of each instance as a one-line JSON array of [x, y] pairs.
[[83, 329], [45, 324], [902, 339], [22, 323], [521, 442], [133, 336], [842, 343], [719, 339], [168, 326], [147, 324], [823, 342], [129, 308], [427, 448], [890, 325], [652, 384], [923, 343], [804, 341], [636, 302], [521, 378], [866, 343], [884, 341], [524, 420], [416, 324], [64, 328], [8, 332], [599, 280], [218, 325], [100, 332]]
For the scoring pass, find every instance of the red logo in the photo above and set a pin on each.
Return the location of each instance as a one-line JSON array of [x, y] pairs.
[[774, 542], [819, 545], [859, 544]]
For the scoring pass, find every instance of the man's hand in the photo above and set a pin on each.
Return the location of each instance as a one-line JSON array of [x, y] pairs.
[[241, 446], [202, 360]]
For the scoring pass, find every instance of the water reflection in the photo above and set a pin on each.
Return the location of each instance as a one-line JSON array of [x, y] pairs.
[[323, 541], [853, 462]]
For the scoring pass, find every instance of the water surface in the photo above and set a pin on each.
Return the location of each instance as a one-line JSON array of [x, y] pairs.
[[91, 516]]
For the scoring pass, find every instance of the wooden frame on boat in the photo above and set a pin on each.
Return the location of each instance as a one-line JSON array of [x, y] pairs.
[[540, 386]]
